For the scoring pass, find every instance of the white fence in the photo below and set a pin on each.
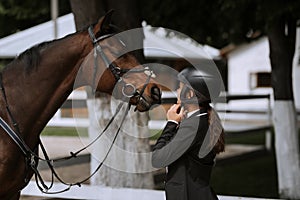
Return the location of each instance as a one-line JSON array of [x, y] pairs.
[[107, 193]]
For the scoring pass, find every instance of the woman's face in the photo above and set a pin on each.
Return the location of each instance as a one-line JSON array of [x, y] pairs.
[[179, 89]]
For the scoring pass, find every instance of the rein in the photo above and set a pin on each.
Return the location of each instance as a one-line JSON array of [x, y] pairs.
[[45, 189], [32, 158]]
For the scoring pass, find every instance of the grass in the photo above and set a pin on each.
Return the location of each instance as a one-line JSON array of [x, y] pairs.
[[255, 177], [64, 131], [257, 138], [71, 131]]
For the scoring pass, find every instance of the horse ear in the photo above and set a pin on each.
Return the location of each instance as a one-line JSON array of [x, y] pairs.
[[107, 20], [103, 24]]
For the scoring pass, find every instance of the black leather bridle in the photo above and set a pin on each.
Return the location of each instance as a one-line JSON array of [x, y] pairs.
[[128, 90]]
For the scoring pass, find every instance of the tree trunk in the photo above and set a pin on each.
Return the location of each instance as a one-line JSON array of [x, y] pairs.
[[128, 165], [281, 36], [129, 161]]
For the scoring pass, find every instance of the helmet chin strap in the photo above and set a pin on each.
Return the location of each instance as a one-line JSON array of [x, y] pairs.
[[184, 99], [197, 97]]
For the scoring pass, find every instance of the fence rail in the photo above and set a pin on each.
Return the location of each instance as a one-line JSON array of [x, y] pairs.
[[251, 120]]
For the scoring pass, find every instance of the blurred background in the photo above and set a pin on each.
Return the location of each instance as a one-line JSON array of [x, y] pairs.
[[255, 46]]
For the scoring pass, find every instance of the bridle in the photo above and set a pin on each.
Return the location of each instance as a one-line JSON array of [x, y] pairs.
[[128, 89], [31, 158]]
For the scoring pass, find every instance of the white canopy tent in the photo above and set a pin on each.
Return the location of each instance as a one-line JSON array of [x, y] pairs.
[[156, 44]]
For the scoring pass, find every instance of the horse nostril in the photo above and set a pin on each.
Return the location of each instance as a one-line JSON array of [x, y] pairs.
[[156, 94]]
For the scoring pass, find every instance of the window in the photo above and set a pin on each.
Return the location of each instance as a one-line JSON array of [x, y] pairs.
[[260, 80]]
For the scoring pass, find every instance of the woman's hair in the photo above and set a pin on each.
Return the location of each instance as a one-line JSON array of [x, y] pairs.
[[213, 115]]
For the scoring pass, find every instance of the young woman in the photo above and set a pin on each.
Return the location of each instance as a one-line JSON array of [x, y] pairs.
[[191, 138]]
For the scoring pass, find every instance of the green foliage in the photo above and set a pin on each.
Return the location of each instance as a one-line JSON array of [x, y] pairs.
[[16, 15], [21, 10], [218, 22]]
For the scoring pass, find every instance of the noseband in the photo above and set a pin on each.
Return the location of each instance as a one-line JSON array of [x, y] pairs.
[[128, 90]]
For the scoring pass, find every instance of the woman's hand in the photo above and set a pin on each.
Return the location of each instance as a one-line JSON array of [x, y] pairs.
[[173, 115]]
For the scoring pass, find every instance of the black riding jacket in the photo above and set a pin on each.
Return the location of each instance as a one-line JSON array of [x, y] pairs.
[[178, 148]]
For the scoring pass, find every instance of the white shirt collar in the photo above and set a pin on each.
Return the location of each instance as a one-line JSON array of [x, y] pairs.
[[191, 113], [194, 111]]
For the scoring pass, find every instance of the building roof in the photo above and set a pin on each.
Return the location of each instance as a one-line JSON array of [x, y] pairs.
[[158, 43], [14, 44], [164, 43]]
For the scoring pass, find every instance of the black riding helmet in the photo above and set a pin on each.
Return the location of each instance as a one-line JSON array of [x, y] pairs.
[[205, 83]]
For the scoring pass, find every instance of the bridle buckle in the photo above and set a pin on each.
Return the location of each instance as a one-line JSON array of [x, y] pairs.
[[128, 90]]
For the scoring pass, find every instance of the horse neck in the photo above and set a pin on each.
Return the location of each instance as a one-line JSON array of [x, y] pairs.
[[35, 96]]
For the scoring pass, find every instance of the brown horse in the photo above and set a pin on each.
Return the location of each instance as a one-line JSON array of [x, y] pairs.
[[37, 82]]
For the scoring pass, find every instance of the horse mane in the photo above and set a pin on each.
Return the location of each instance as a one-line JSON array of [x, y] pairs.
[[30, 57]]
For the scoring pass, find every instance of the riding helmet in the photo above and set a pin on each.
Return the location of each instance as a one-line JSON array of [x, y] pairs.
[[206, 85]]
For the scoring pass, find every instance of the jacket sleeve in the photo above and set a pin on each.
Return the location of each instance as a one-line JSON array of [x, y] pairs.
[[173, 143], [167, 134]]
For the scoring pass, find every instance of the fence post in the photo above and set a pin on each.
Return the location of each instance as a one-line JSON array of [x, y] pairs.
[[268, 134]]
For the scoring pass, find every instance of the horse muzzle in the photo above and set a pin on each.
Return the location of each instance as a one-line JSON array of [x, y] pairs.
[[145, 102]]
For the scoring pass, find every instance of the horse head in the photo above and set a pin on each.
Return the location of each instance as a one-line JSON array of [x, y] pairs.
[[113, 69]]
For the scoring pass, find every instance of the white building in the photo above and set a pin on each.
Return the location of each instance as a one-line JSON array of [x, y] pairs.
[[249, 70]]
